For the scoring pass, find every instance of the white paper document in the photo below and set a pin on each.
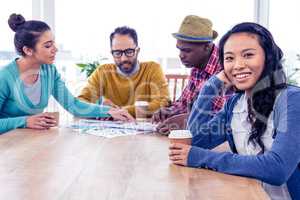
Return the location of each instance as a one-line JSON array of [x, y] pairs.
[[112, 129]]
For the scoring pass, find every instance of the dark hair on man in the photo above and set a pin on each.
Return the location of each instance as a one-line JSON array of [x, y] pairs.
[[27, 33], [125, 30], [271, 81]]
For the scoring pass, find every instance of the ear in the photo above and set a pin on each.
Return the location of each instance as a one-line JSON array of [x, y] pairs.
[[208, 46], [137, 50], [27, 51]]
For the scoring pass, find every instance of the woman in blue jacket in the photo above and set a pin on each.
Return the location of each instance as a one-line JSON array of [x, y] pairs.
[[28, 82], [260, 122]]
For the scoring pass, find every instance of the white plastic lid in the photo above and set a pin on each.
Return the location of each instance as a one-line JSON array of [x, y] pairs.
[[180, 134], [141, 103]]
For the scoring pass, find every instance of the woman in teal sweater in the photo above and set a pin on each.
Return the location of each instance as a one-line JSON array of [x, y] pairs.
[[28, 82]]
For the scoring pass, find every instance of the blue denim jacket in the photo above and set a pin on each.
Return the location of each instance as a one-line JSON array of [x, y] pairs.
[[276, 167]]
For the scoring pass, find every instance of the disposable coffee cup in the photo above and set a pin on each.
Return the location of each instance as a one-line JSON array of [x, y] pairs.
[[141, 109], [56, 116], [180, 136]]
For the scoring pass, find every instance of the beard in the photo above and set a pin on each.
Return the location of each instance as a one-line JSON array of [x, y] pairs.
[[127, 70]]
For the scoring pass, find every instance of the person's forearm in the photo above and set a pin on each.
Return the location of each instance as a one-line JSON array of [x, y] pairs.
[[7, 124]]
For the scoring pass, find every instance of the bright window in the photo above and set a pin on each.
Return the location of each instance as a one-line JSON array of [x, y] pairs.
[[83, 27], [23, 7], [284, 27]]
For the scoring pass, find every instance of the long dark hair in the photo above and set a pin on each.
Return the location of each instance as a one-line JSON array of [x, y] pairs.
[[271, 81], [27, 32]]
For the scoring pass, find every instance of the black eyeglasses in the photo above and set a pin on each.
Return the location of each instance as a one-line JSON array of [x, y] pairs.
[[128, 52]]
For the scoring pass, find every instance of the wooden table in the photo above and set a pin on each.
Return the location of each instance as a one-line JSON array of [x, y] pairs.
[[60, 164]]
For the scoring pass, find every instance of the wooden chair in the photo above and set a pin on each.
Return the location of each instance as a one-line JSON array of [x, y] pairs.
[[180, 80]]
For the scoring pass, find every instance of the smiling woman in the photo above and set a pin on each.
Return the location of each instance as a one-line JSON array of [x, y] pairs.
[[244, 60], [260, 122]]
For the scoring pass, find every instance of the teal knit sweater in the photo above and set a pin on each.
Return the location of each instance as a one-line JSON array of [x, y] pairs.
[[15, 106]]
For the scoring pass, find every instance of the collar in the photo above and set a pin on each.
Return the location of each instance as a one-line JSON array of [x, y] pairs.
[[213, 64], [136, 69], [241, 105]]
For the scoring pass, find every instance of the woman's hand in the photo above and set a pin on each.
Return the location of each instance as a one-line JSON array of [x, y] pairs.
[[41, 121], [224, 78], [120, 114], [178, 153]]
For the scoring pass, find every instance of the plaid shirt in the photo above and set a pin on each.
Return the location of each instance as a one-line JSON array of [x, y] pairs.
[[197, 79]]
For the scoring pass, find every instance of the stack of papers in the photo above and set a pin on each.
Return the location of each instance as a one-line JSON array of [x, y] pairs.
[[111, 132], [111, 129]]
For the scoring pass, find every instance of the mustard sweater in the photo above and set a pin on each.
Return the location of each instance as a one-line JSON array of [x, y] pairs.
[[148, 84]]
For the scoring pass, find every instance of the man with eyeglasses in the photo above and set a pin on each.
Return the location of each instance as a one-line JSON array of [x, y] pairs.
[[127, 80]]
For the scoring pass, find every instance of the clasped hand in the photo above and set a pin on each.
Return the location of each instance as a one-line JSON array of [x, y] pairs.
[[41, 121], [178, 153]]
